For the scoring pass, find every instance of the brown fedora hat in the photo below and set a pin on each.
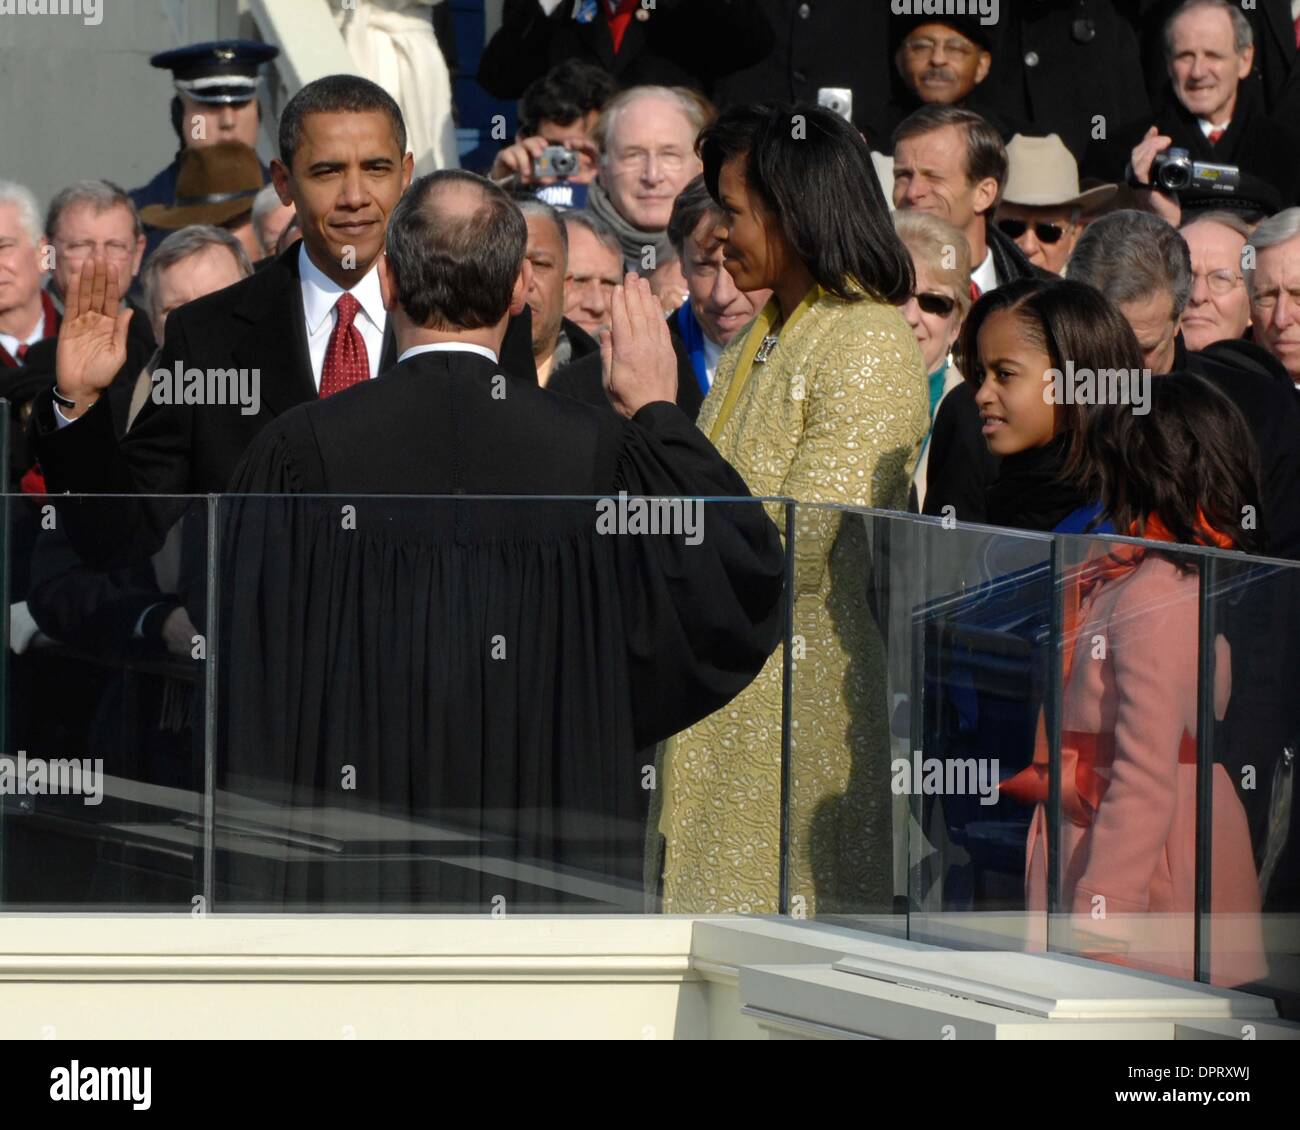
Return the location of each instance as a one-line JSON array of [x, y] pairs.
[[213, 186]]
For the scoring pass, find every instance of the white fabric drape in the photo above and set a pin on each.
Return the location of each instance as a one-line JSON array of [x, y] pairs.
[[392, 44]]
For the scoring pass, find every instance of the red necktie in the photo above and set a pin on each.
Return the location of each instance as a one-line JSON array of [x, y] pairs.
[[1215, 134], [619, 20], [974, 291], [1297, 31], [346, 361], [22, 350]]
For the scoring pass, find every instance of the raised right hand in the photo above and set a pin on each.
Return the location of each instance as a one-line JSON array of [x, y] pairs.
[[1142, 158], [637, 357], [92, 338]]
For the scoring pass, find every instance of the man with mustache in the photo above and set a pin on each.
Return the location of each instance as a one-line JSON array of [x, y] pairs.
[[941, 61]]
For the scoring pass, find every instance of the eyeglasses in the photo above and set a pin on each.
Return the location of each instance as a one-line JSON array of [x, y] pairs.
[[1220, 282], [939, 305], [1043, 231], [634, 160], [924, 45]]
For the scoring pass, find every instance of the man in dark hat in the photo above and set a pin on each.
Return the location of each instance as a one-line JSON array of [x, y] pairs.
[[941, 60], [215, 102], [216, 185]]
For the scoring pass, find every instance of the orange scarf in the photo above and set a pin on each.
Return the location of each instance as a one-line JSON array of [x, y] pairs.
[[1030, 785]]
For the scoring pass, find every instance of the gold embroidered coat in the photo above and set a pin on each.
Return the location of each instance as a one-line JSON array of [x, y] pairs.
[[836, 415]]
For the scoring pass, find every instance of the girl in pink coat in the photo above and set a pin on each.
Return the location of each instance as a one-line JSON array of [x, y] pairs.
[[1181, 473]]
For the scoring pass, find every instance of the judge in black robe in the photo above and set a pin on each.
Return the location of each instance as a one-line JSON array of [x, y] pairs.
[[434, 701]]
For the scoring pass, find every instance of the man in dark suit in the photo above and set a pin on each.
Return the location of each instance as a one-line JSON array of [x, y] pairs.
[[1061, 63], [599, 641], [309, 325], [670, 43]]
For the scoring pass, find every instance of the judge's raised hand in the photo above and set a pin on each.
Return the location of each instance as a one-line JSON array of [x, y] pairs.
[[636, 353], [92, 338]]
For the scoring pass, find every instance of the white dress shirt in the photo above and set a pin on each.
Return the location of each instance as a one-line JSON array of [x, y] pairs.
[[10, 343], [712, 355], [985, 276], [449, 347], [320, 295]]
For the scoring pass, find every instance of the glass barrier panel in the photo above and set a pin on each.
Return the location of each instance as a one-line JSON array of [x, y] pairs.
[[471, 705], [920, 666], [102, 775], [1250, 878], [1145, 679]]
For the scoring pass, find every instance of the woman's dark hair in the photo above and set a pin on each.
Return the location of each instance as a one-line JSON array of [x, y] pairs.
[[1069, 321], [814, 175], [1192, 454]]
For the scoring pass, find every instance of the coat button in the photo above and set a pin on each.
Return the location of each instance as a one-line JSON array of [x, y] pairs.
[[805, 10], [1031, 59]]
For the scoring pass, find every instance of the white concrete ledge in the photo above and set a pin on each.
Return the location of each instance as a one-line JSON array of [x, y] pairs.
[[326, 977]]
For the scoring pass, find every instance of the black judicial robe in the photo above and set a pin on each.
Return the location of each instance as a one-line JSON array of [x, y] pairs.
[[488, 668]]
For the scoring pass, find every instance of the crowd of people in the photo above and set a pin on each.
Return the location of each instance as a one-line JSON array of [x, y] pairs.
[[684, 277]]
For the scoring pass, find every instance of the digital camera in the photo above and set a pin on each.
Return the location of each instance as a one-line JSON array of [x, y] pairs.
[[1175, 171], [556, 161]]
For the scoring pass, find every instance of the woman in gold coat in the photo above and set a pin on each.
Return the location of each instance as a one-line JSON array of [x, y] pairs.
[[823, 400]]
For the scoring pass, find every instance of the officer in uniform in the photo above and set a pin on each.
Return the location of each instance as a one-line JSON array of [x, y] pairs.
[[216, 101]]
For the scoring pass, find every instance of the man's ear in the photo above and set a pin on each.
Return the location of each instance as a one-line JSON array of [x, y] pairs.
[[1247, 62], [282, 178], [138, 256], [408, 171], [982, 67], [387, 282], [524, 281], [986, 193]]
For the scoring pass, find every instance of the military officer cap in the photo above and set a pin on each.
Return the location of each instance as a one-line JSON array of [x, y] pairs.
[[224, 71]]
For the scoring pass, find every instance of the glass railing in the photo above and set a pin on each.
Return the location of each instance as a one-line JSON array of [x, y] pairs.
[[966, 736]]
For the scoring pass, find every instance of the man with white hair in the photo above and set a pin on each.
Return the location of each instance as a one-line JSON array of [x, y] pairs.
[[1275, 288], [26, 313], [1210, 110], [647, 141], [270, 218]]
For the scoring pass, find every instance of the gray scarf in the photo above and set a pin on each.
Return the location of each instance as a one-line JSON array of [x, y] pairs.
[[633, 240]]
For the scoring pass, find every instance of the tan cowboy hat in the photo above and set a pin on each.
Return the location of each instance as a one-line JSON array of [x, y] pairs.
[[213, 186], [1044, 174]]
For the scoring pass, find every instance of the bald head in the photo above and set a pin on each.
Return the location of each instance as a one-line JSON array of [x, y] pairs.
[[455, 246]]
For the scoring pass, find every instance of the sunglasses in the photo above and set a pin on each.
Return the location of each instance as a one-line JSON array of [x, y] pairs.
[[940, 305], [1045, 232]]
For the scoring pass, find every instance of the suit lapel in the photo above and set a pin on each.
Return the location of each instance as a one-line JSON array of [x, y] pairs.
[[598, 39], [276, 337]]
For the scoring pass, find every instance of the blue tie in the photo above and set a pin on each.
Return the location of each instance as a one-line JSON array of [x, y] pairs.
[[585, 11]]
